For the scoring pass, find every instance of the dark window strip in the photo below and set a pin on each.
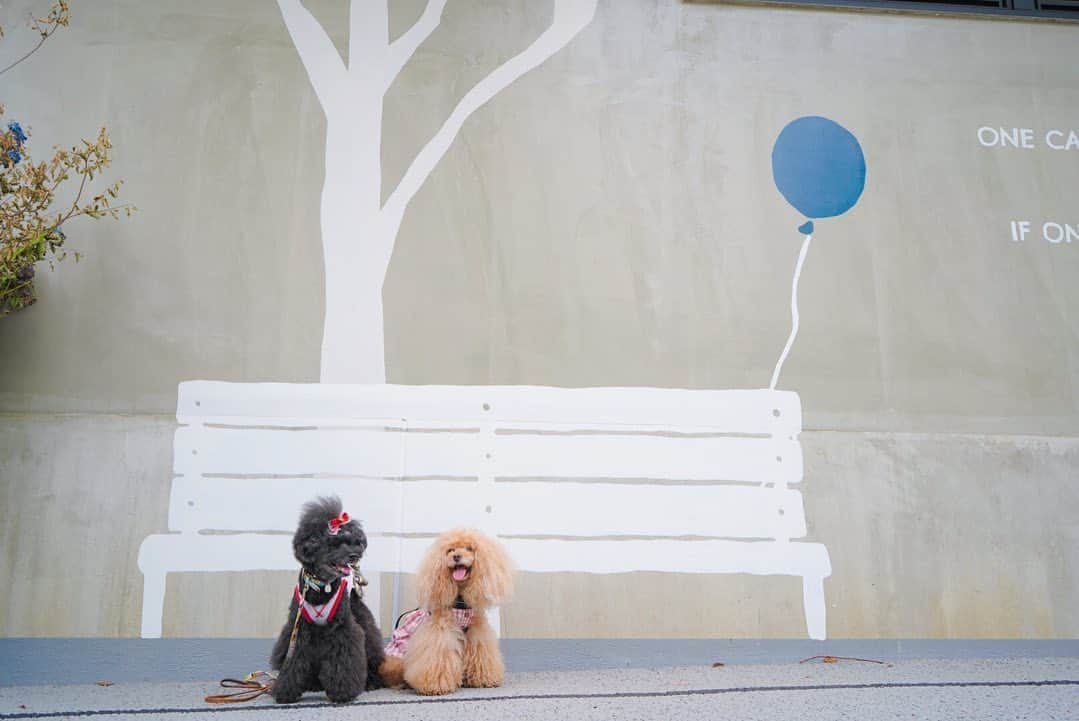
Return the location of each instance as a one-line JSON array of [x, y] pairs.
[[1015, 9]]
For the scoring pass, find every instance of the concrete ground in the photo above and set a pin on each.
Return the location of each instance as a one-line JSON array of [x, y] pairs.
[[1041, 689]]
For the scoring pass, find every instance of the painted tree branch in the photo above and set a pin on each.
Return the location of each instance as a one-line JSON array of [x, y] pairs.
[[320, 58], [403, 48], [569, 19]]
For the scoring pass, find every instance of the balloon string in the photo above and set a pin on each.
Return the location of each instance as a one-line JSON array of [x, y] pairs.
[[794, 311]]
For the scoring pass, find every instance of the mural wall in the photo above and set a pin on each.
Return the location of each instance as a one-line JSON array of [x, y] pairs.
[[701, 316]]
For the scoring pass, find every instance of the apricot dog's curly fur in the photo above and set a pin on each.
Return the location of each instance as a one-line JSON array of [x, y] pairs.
[[441, 657]]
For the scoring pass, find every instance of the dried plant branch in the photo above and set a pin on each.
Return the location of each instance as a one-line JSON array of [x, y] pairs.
[[31, 230], [59, 15]]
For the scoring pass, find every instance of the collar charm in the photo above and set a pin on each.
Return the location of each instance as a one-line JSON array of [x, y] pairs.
[[322, 613], [311, 581]]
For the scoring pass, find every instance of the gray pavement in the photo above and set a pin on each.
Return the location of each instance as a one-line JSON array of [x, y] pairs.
[[1041, 689]]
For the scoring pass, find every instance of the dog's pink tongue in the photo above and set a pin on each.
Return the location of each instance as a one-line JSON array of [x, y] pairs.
[[459, 573]]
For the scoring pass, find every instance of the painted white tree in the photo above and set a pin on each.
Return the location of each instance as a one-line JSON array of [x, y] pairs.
[[358, 229]]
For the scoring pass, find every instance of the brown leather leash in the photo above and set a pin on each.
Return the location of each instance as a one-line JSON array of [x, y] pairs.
[[251, 687], [256, 683]]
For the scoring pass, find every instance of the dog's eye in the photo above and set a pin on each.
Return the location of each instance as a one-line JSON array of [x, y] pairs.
[[468, 548]]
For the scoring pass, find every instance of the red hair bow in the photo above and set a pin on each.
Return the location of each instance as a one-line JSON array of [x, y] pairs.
[[336, 523]]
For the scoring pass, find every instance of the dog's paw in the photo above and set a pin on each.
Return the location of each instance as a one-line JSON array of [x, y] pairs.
[[286, 697], [341, 697], [483, 666], [483, 678], [436, 684], [436, 689]]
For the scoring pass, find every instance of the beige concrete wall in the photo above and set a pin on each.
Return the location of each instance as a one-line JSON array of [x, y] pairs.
[[930, 536], [609, 219]]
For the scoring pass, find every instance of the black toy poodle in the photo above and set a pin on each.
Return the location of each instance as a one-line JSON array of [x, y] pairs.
[[331, 641]]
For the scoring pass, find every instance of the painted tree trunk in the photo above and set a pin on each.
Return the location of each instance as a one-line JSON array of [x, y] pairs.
[[357, 242], [353, 347], [358, 232]]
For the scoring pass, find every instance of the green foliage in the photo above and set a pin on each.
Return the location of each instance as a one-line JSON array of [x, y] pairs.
[[31, 224]]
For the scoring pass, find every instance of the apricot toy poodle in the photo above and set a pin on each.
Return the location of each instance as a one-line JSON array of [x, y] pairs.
[[447, 642]]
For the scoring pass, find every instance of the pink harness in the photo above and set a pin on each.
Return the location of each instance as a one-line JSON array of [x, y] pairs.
[[413, 620], [323, 613]]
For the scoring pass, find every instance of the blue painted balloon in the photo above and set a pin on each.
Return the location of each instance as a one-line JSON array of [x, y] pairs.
[[818, 166]]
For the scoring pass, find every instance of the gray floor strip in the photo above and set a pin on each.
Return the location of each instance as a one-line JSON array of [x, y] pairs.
[[546, 697], [28, 662]]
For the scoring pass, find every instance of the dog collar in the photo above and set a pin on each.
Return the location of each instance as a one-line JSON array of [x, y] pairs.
[[320, 614], [311, 581]]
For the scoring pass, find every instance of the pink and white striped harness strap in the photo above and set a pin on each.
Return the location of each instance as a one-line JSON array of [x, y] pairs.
[[323, 613], [413, 620]]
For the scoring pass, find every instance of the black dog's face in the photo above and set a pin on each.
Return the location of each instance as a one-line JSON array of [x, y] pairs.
[[345, 548], [325, 554]]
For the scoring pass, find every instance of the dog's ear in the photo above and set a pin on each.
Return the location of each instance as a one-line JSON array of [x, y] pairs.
[[495, 575], [310, 540], [308, 545], [434, 586]]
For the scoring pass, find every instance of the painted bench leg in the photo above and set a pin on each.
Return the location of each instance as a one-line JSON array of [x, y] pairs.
[[813, 599], [494, 618], [153, 602]]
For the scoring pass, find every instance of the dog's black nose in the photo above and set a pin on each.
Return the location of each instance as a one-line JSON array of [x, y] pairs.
[[457, 558]]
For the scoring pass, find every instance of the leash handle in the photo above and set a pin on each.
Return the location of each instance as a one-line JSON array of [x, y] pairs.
[[249, 690]]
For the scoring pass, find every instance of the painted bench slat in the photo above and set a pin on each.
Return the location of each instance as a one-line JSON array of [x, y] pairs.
[[246, 552], [351, 452], [533, 508], [639, 456], [391, 454], [645, 510], [670, 556], [273, 504], [734, 411]]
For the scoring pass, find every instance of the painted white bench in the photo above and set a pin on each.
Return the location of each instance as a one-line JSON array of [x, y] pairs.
[[600, 480]]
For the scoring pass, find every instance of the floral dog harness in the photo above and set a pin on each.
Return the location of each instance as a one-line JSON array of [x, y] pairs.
[[412, 620]]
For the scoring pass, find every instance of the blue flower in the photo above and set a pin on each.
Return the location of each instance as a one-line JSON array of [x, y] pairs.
[[14, 155], [17, 131]]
